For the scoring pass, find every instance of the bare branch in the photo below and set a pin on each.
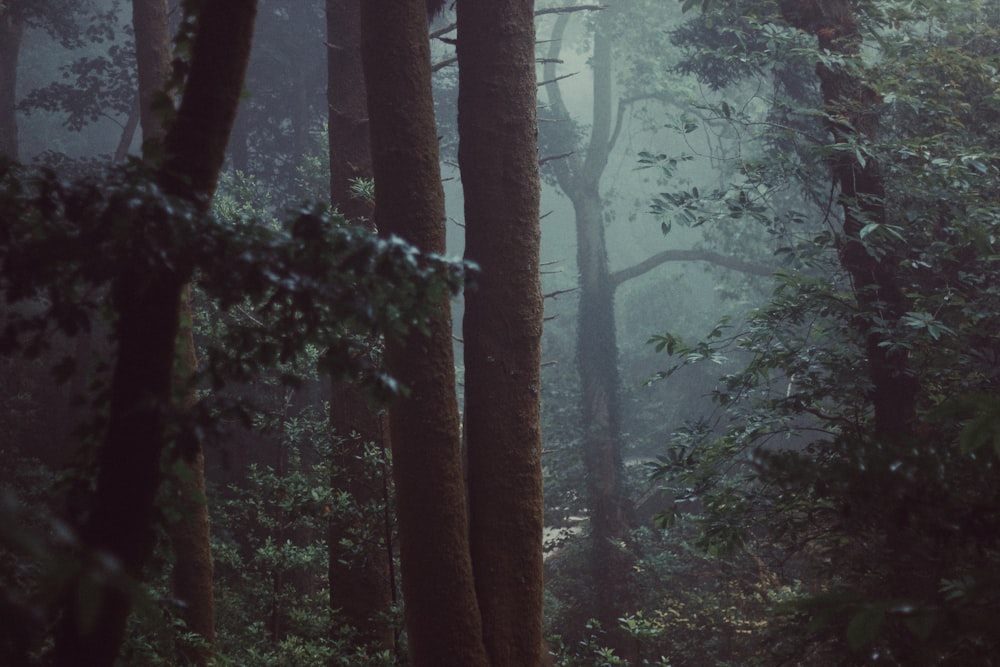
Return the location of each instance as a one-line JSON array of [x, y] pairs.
[[726, 261], [550, 158], [558, 78], [444, 63], [444, 30], [570, 9]]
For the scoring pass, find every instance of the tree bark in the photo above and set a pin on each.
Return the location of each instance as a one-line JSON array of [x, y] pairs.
[[11, 32], [442, 616], [152, 57], [190, 535], [851, 118], [498, 156], [121, 522], [611, 512], [361, 585]]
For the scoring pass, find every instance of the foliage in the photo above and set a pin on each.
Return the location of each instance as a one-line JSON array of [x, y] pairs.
[[63, 248], [92, 85], [895, 538], [270, 552], [316, 277]]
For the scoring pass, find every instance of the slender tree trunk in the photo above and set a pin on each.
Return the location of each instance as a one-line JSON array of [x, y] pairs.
[[11, 32], [862, 196], [190, 535], [361, 584], [852, 117], [498, 156], [442, 616], [128, 132], [152, 57], [611, 512], [120, 523]]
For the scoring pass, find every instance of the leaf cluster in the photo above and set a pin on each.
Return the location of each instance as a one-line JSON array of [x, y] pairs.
[[65, 246]]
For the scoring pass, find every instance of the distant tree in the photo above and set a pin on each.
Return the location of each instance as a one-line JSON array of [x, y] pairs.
[[361, 576]]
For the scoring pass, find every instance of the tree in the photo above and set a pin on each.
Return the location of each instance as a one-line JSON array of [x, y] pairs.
[[11, 31], [361, 579], [190, 532], [442, 615], [502, 328], [148, 303], [853, 121], [596, 347], [870, 513]]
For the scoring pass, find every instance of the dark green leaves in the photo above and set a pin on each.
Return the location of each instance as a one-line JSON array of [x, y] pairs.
[[315, 283]]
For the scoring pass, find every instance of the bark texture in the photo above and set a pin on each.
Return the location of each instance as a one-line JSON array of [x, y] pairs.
[[152, 56], [11, 32], [442, 616], [498, 156], [190, 535], [147, 302], [852, 118]]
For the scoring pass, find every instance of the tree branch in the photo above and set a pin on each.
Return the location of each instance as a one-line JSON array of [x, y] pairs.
[[694, 255], [440, 32], [559, 156]]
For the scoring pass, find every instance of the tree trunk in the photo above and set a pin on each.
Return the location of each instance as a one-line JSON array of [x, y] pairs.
[[121, 521], [152, 57], [442, 616], [190, 535], [361, 585], [498, 156], [611, 511], [11, 32], [862, 196]]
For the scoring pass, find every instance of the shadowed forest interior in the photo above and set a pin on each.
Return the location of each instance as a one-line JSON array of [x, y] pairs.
[[510, 334]]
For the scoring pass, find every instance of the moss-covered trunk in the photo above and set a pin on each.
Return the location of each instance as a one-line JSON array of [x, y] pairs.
[[610, 510]]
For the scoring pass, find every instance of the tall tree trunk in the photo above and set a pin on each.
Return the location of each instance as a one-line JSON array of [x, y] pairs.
[[11, 32], [498, 156], [862, 196], [190, 534], [361, 584], [852, 117], [611, 512], [442, 616], [120, 523]]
